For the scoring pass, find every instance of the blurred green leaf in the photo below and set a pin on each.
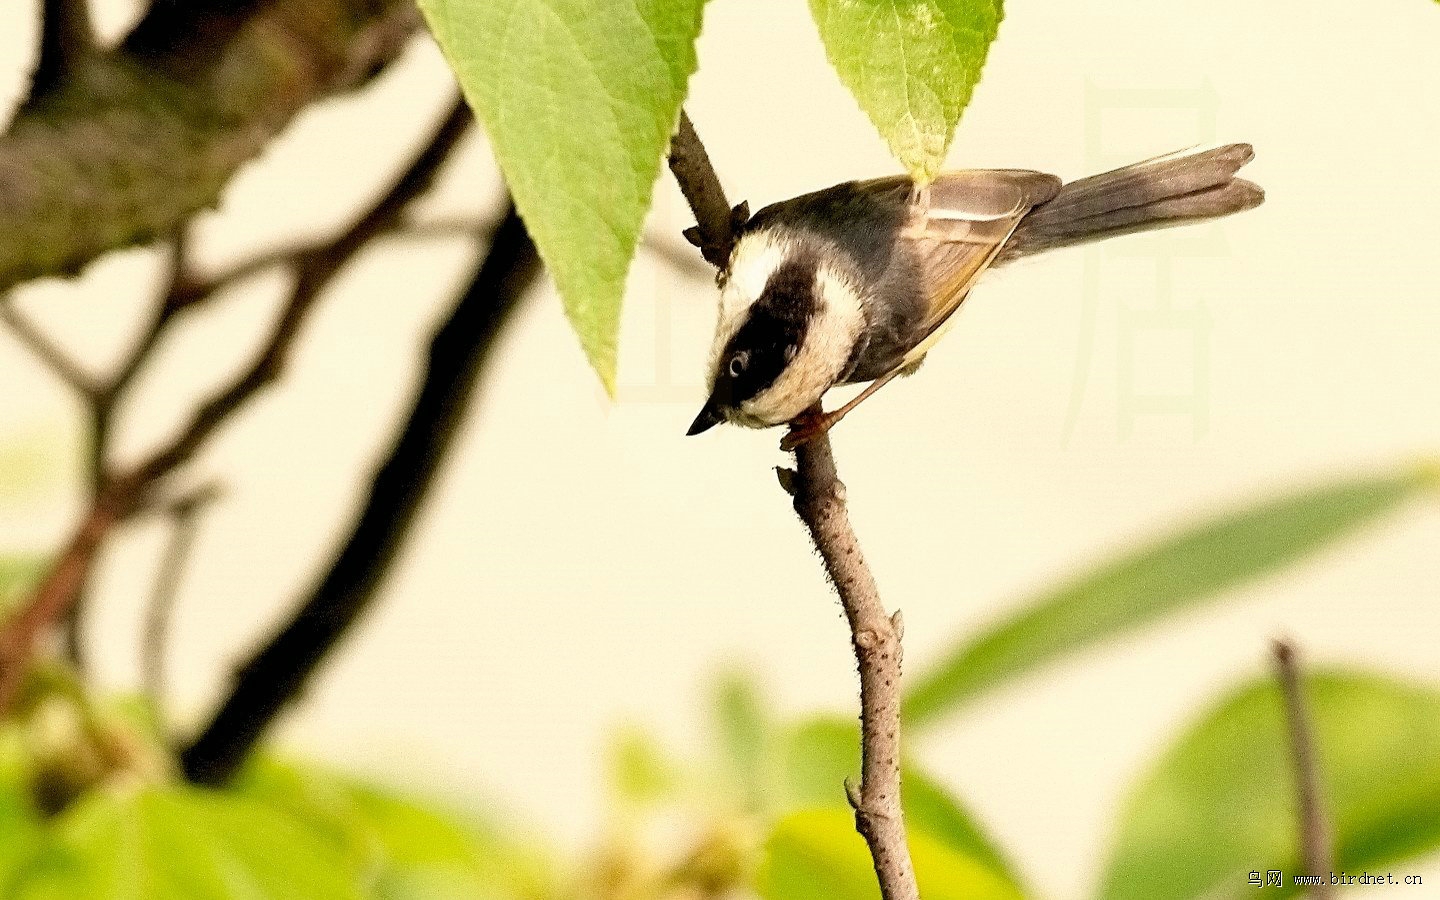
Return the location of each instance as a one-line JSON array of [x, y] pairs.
[[746, 735], [912, 65], [20, 829], [579, 99], [639, 769], [1221, 801], [33, 463], [402, 848], [182, 844], [18, 573], [1179, 572], [818, 854], [821, 753]]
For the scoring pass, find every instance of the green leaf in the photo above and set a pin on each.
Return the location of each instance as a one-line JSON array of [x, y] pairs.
[[746, 736], [912, 65], [822, 753], [579, 98], [33, 464], [20, 830], [1221, 801], [18, 574], [639, 769], [1179, 572], [818, 854], [183, 844], [402, 848]]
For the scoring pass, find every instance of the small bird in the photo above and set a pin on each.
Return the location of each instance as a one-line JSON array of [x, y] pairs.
[[857, 282]]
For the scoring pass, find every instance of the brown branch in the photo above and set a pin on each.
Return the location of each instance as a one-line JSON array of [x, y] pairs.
[[315, 271], [277, 673], [1317, 855], [123, 494], [183, 514], [716, 222], [49, 601], [125, 154], [819, 498], [820, 503], [46, 350], [102, 404]]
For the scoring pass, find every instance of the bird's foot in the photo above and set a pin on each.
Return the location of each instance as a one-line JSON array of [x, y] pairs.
[[807, 427]]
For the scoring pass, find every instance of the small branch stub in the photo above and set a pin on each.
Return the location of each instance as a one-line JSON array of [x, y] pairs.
[[1317, 855]]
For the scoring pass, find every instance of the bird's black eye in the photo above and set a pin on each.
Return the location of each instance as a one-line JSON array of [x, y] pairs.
[[738, 362]]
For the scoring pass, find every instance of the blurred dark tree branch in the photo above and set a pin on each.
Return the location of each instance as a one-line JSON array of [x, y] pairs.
[[270, 680], [120, 495], [125, 148], [66, 41]]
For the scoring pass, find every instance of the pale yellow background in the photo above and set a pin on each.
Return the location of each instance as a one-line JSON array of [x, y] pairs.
[[584, 564]]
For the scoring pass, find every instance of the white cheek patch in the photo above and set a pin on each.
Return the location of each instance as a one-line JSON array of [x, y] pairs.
[[822, 356], [756, 257]]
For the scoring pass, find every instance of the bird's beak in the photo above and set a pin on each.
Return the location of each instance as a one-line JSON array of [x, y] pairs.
[[710, 416]]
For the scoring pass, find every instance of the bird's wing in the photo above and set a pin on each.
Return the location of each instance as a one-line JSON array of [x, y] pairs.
[[957, 226]]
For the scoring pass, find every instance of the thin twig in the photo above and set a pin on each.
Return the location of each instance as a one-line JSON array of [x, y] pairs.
[[1317, 856], [49, 601], [819, 499], [183, 513], [125, 493], [276, 674], [103, 402], [46, 350]]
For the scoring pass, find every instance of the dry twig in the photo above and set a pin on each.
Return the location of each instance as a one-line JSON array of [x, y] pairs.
[[1317, 855]]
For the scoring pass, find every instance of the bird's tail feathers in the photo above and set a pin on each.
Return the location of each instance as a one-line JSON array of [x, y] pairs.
[[1168, 190]]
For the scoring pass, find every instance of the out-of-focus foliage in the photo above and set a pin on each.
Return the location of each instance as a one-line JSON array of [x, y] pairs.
[[820, 754], [178, 843], [579, 99], [1172, 575], [912, 65], [31, 464], [405, 849], [817, 855], [1221, 801], [282, 831], [18, 572]]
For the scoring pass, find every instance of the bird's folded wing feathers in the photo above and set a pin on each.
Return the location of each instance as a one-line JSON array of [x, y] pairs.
[[961, 221]]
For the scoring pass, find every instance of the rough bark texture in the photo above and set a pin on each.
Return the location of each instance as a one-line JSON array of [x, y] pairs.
[[129, 147]]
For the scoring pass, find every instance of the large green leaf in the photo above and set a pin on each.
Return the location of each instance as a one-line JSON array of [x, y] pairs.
[[579, 98], [820, 754], [400, 847], [1221, 801], [817, 855], [183, 844], [1179, 572], [912, 65]]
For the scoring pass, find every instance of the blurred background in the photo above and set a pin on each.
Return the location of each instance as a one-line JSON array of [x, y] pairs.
[[583, 564]]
